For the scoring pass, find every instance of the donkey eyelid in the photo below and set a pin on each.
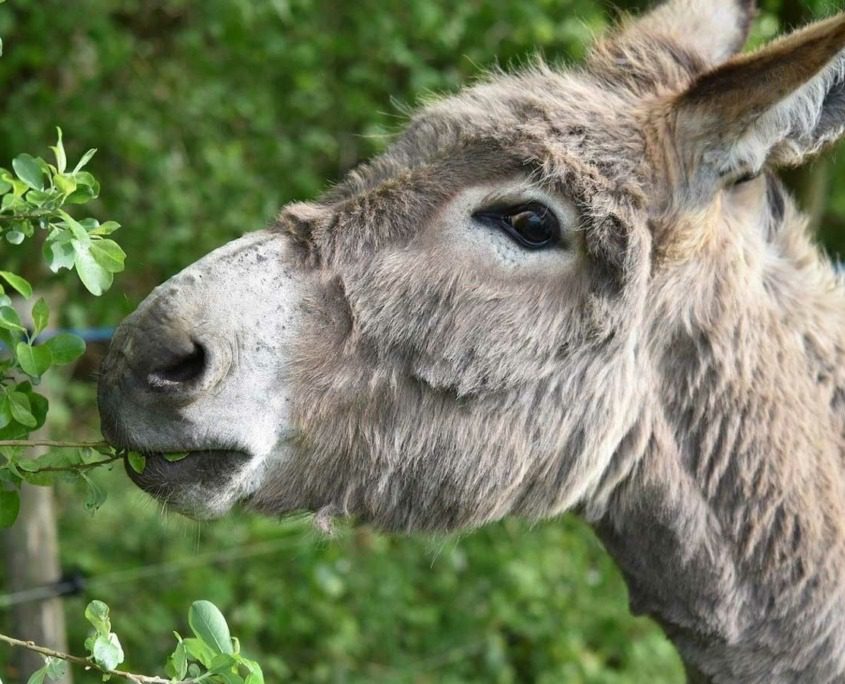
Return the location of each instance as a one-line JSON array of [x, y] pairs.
[[742, 179], [543, 232]]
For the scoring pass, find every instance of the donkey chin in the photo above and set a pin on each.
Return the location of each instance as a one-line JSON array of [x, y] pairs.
[[184, 377]]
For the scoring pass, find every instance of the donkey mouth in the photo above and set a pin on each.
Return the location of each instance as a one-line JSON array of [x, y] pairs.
[[166, 477]]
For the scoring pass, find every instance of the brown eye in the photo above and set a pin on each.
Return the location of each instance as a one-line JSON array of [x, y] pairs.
[[531, 225]]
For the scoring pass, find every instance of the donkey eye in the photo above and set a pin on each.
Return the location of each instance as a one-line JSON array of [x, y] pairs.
[[531, 225], [743, 179]]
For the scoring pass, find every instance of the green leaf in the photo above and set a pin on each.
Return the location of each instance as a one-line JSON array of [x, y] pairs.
[[5, 411], [20, 284], [9, 319], [107, 651], [56, 668], [34, 361], [174, 457], [10, 506], [58, 254], [96, 495], [224, 665], [38, 198], [106, 228], [97, 613], [14, 237], [21, 409], [94, 277], [178, 661], [209, 625], [40, 316], [53, 459], [255, 676], [67, 184], [108, 254], [4, 186], [38, 676], [65, 348], [82, 194], [19, 188], [13, 204], [75, 227], [85, 179], [88, 455], [199, 651], [59, 153], [136, 461], [84, 161], [39, 405], [40, 479], [29, 171]]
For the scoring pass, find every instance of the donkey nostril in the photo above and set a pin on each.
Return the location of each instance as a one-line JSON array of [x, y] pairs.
[[183, 370]]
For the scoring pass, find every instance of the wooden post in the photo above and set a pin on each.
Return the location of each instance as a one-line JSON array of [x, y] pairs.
[[32, 559]]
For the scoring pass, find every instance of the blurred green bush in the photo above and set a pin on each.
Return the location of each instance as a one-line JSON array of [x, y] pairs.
[[211, 114]]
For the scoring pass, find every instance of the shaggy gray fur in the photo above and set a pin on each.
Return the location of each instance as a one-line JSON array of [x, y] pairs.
[[678, 379]]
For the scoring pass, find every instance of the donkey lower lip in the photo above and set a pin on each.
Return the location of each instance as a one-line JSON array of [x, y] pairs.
[[163, 478]]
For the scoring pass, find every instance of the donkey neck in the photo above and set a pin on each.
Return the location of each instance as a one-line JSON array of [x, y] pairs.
[[730, 530]]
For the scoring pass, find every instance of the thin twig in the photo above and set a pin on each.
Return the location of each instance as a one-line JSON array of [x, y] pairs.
[[89, 664], [52, 444], [76, 467]]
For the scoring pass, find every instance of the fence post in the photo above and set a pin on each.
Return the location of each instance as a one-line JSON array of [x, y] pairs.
[[32, 559]]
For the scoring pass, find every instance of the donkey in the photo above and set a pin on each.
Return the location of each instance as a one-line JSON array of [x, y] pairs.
[[557, 290]]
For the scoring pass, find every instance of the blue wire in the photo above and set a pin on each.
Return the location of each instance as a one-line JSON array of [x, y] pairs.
[[87, 334]]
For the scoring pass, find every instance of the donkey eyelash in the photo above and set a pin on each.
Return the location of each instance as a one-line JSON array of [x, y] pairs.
[[744, 178]]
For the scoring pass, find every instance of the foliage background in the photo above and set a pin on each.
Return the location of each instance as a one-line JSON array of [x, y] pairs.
[[209, 115]]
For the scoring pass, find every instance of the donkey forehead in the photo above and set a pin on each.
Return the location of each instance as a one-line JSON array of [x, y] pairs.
[[552, 104], [534, 118]]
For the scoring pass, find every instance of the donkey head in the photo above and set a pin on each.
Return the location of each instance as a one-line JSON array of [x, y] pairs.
[[475, 324]]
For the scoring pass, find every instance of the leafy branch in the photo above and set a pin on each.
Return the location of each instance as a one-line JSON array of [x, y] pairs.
[[212, 655], [37, 196], [60, 463], [53, 670]]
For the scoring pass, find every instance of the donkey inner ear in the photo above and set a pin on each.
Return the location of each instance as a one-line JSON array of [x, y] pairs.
[[675, 41], [776, 106], [713, 29]]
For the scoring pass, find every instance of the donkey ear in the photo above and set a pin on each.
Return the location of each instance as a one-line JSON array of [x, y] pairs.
[[775, 106], [711, 29], [672, 44]]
